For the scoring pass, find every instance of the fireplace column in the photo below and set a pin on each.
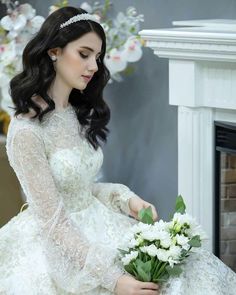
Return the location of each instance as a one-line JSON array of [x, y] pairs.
[[202, 83]]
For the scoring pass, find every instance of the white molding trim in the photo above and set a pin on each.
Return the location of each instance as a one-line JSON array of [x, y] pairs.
[[198, 43], [202, 83]]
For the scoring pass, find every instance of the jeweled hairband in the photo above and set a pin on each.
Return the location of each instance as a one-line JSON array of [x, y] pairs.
[[78, 17]]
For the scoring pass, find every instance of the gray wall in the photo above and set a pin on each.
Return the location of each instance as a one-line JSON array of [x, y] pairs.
[[142, 147]]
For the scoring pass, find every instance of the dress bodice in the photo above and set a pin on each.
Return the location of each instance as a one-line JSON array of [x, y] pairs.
[[73, 161]]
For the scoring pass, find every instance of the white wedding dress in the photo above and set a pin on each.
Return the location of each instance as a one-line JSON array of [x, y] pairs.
[[66, 241]]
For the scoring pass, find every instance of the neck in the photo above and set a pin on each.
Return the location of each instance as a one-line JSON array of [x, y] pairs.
[[59, 92]]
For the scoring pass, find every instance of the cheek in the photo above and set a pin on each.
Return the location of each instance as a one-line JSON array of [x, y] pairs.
[[72, 65]]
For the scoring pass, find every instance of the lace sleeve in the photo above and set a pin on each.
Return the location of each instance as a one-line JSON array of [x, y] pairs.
[[113, 195], [74, 264]]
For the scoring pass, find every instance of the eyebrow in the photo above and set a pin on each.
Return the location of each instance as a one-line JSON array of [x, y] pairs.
[[92, 50]]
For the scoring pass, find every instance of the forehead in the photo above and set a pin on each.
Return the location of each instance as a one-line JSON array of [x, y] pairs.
[[91, 40]]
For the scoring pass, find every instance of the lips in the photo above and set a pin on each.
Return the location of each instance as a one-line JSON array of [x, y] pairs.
[[87, 78]]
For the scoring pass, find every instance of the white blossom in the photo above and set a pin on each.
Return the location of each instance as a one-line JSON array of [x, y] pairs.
[[152, 250], [27, 10], [129, 257], [115, 61], [86, 7], [36, 23], [163, 255], [181, 239], [132, 49], [13, 23], [133, 242], [175, 251]]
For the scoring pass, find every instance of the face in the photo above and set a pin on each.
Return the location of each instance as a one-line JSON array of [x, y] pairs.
[[77, 61]]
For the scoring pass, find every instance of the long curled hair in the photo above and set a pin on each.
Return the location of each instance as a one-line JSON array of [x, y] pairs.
[[38, 73]]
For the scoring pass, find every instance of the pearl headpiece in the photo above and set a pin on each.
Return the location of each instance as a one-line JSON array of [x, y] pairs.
[[78, 17]]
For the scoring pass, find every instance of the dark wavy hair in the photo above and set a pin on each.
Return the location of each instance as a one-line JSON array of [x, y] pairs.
[[38, 73]]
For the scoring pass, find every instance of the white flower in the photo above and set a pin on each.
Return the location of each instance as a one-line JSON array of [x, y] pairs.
[[172, 261], [129, 257], [181, 239], [140, 227], [149, 235], [13, 23], [131, 11], [9, 53], [165, 239], [133, 242], [174, 251], [196, 230], [151, 250], [143, 249], [36, 23], [155, 234], [27, 10], [132, 49], [162, 254], [115, 61], [161, 225], [86, 7], [183, 218]]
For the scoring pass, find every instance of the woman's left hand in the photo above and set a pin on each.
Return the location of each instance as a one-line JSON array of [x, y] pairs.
[[137, 203]]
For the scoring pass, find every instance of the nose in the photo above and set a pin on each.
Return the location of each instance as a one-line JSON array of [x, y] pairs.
[[93, 67]]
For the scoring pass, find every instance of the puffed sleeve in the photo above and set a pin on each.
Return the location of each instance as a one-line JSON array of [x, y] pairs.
[[75, 264], [113, 195]]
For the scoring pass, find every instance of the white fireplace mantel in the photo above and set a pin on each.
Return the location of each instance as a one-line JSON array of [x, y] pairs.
[[202, 83]]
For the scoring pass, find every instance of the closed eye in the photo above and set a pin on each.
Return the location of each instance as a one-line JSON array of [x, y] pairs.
[[83, 55], [86, 56]]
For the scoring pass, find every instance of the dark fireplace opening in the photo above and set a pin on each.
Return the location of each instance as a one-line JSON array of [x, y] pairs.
[[225, 193]]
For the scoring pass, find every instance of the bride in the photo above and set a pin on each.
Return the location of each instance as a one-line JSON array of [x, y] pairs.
[[66, 241]]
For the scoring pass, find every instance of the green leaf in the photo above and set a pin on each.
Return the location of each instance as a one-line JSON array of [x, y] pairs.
[[146, 266], [173, 271], [144, 269], [145, 276], [180, 205], [195, 241], [123, 252], [130, 269], [145, 215]]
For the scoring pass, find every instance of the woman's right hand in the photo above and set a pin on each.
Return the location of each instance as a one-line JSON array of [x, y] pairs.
[[128, 285]]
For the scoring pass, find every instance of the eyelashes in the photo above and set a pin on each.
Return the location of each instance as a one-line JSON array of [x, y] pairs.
[[86, 56], [83, 56]]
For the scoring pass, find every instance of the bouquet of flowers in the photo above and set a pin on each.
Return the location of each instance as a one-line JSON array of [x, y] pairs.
[[154, 251]]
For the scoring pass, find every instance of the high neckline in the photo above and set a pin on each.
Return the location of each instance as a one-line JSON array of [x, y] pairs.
[[60, 111]]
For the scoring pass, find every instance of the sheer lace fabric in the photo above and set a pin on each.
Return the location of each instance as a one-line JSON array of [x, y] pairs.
[[66, 241], [56, 167]]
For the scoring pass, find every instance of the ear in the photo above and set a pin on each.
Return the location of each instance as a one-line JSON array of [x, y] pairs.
[[54, 52]]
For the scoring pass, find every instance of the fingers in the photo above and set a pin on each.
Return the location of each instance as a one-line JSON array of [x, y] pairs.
[[149, 285], [154, 212], [149, 292]]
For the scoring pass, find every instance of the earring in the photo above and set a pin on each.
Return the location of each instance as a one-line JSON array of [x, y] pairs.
[[53, 58]]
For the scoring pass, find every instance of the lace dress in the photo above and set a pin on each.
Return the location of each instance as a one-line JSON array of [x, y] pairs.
[[66, 241]]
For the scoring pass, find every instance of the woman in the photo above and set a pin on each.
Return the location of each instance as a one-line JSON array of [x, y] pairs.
[[66, 241]]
